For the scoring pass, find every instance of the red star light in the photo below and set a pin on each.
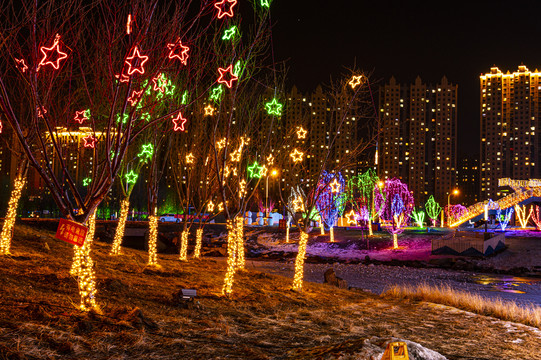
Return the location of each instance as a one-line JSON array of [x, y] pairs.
[[47, 54], [135, 96], [122, 78], [159, 84], [131, 61], [179, 51], [179, 122], [232, 76], [1, 126], [90, 141], [21, 65], [80, 116], [220, 5], [40, 114]]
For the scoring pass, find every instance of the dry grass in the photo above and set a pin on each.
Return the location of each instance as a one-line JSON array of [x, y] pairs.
[[505, 310], [263, 319]]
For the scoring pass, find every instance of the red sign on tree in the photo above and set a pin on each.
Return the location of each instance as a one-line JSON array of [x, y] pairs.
[[71, 232]]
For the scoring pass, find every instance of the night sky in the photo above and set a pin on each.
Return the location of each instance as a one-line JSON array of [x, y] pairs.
[[321, 38]]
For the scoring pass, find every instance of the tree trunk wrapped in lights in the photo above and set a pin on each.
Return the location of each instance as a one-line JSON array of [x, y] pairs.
[[232, 244], [299, 261], [360, 193], [433, 209], [121, 226], [83, 268], [331, 200], [287, 231], [184, 246], [520, 212], [153, 240], [536, 218], [9, 221], [198, 243], [239, 235]]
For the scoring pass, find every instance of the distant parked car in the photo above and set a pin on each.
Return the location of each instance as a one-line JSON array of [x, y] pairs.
[[170, 218]]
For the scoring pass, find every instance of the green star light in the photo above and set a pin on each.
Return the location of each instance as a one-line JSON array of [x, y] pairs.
[[274, 107], [125, 118], [131, 177], [86, 181], [147, 151], [230, 33], [238, 68], [255, 171], [265, 3], [216, 93], [184, 98]]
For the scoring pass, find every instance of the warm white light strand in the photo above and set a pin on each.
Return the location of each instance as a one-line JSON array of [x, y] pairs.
[[184, 246], [299, 262], [9, 221], [153, 240], [120, 228], [198, 243], [231, 255]]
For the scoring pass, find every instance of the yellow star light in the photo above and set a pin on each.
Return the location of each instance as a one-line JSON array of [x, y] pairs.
[[301, 133], [221, 207], [270, 160], [190, 158], [210, 206], [298, 205], [296, 155], [351, 218], [335, 186], [221, 144], [235, 155], [209, 110], [355, 80]]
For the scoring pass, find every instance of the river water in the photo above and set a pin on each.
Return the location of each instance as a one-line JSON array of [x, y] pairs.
[[377, 278]]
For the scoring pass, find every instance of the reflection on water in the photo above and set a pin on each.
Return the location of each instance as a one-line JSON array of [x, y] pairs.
[[504, 283]]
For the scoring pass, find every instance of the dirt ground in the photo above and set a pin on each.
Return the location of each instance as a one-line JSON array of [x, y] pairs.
[[263, 319]]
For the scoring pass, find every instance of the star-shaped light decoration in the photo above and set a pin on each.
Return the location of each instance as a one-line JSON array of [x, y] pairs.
[[210, 206], [296, 155], [232, 76], [184, 100], [81, 116], [216, 93], [229, 33], [265, 3], [255, 170], [298, 204], [40, 114], [238, 67], [179, 51], [351, 217], [179, 122], [270, 160], [221, 207], [48, 54], [274, 107], [209, 110], [242, 188], [90, 141], [146, 152], [301, 133], [87, 181], [355, 80], [125, 118], [190, 158], [221, 144], [21, 65], [235, 155], [135, 97], [123, 78], [134, 65], [160, 82], [221, 5], [335, 186], [131, 177]]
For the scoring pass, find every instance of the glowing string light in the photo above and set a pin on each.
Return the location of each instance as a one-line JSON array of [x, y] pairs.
[[179, 122], [190, 158], [433, 209], [230, 33], [355, 81], [237, 70], [521, 215], [134, 65], [231, 258], [274, 107], [418, 217], [198, 243], [90, 141], [296, 155], [47, 52], [242, 188], [239, 235], [183, 256], [184, 100], [221, 143], [232, 77], [299, 262], [235, 155], [178, 51], [128, 25], [120, 227], [153, 240], [9, 220], [221, 6]]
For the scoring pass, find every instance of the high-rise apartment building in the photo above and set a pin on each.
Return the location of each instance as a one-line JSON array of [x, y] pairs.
[[509, 116], [417, 143]]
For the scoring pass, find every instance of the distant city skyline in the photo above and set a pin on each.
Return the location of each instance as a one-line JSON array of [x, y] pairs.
[[408, 39]]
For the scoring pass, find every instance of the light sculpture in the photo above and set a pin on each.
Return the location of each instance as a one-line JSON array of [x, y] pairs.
[[81, 116], [178, 51], [135, 66], [265, 3], [504, 218], [255, 170], [232, 77], [210, 206], [230, 33], [331, 199], [418, 217], [335, 186], [299, 262], [274, 107], [351, 217], [301, 133], [48, 53], [90, 141], [355, 81], [520, 212], [433, 209], [179, 122], [296, 155], [209, 110], [21, 65], [131, 177], [225, 8]]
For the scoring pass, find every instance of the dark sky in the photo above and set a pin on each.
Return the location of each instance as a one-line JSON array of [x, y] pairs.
[[460, 40]]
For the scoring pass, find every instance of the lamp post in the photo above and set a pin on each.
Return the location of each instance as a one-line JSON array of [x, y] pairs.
[[274, 172], [455, 192]]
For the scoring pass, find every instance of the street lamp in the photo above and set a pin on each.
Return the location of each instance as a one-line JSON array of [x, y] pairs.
[[274, 172], [455, 192]]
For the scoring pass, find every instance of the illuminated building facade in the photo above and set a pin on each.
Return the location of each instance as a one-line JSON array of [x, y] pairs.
[[417, 142], [509, 116]]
